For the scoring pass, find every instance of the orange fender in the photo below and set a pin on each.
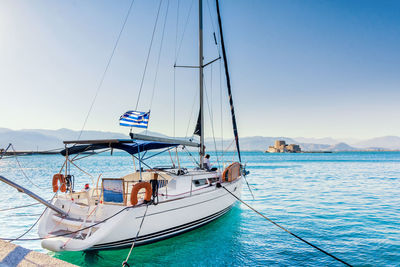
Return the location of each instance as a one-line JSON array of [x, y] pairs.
[[135, 191], [59, 178], [231, 173]]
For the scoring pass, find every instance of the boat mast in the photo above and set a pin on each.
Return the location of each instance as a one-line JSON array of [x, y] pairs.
[[202, 148]]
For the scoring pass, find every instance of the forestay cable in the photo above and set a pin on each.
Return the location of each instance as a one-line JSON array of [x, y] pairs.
[[107, 66], [148, 55], [159, 56]]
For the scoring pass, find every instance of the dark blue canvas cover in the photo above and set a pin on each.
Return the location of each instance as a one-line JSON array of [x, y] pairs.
[[132, 148]]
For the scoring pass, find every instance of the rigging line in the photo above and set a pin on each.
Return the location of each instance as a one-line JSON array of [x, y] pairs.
[[212, 23], [107, 66], [184, 30], [159, 56], [172, 161], [84, 222], [156, 154], [18, 207], [209, 13], [30, 228], [227, 148], [276, 224], [23, 215], [125, 263], [90, 226], [174, 103], [3, 155], [88, 174], [176, 46], [33, 225], [220, 105], [91, 154], [211, 93], [212, 124], [191, 157], [72, 232], [148, 54], [191, 114], [5, 151], [24, 174], [176, 28]]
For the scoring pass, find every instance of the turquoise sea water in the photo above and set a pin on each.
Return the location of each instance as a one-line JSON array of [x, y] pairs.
[[346, 203]]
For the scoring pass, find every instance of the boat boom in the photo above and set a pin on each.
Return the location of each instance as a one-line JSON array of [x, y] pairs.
[[33, 195]]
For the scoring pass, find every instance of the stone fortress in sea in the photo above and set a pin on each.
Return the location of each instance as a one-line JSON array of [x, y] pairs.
[[281, 147]]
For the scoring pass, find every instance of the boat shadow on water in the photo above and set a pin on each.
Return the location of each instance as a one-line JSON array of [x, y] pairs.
[[201, 246]]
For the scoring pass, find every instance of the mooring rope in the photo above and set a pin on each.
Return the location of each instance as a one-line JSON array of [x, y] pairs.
[[125, 263], [286, 230], [19, 207], [72, 232], [30, 228], [34, 224]]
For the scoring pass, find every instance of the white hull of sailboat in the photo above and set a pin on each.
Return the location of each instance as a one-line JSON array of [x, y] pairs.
[[168, 218]]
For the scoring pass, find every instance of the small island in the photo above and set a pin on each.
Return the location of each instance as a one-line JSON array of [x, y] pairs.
[[281, 147]]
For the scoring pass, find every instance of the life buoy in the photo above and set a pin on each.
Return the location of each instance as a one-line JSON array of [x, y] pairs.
[[58, 177], [231, 173], [135, 191]]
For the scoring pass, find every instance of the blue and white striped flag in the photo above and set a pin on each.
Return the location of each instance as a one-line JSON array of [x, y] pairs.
[[134, 118]]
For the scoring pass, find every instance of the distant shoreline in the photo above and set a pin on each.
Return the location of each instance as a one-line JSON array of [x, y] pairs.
[[34, 153], [21, 153], [339, 151]]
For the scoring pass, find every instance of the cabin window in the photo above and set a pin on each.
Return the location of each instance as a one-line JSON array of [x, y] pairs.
[[213, 179], [200, 182]]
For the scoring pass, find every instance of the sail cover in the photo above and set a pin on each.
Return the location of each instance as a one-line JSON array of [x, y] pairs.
[[131, 148], [135, 118]]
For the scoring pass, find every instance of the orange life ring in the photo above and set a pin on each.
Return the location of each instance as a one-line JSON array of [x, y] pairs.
[[231, 173], [135, 191], [59, 178]]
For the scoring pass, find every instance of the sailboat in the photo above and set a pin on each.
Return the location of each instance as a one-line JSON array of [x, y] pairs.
[[148, 205]]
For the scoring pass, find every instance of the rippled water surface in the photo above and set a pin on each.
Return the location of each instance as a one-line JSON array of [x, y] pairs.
[[346, 203]]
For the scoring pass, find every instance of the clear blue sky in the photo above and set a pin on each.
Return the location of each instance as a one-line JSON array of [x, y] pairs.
[[298, 68]]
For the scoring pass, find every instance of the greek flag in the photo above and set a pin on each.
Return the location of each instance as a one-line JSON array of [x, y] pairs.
[[134, 118]]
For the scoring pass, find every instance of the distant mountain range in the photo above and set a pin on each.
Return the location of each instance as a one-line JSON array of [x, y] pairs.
[[39, 139]]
